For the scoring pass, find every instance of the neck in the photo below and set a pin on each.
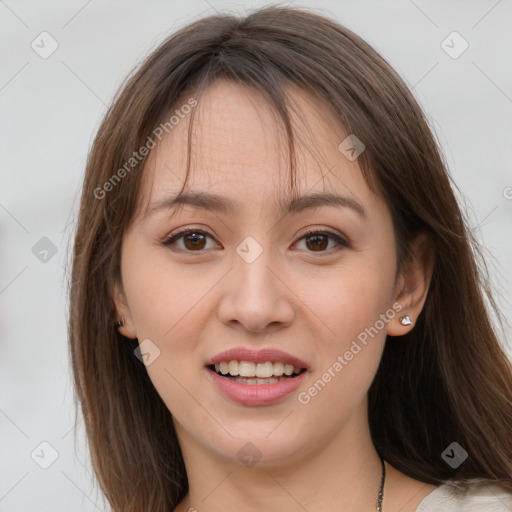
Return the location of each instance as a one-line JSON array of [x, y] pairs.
[[343, 474]]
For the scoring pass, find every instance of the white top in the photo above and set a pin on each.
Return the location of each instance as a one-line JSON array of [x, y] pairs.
[[479, 497]]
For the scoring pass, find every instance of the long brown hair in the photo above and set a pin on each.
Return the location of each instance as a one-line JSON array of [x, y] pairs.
[[447, 380]]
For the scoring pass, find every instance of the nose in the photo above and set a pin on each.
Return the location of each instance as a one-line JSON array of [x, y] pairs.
[[256, 297]]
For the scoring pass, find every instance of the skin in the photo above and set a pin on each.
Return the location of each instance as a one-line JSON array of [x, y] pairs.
[[312, 304]]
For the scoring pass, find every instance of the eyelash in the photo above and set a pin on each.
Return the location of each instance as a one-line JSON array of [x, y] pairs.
[[180, 234]]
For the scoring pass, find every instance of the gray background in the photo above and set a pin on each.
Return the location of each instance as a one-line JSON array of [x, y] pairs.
[[51, 109]]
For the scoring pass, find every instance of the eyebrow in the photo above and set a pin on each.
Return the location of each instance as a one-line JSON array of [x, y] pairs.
[[216, 203]]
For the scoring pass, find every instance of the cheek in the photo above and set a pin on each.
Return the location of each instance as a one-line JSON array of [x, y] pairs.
[[164, 297], [348, 359], [168, 305], [352, 304], [350, 298]]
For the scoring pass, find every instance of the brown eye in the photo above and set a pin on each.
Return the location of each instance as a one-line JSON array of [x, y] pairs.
[[194, 240], [318, 241]]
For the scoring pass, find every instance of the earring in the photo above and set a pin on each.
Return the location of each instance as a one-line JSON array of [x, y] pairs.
[[406, 320], [120, 323]]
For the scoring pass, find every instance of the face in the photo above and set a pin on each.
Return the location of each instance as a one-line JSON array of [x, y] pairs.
[[248, 278]]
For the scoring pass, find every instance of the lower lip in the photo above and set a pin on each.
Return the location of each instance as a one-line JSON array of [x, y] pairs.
[[256, 394]]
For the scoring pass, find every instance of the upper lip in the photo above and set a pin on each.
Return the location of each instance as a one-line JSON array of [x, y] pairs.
[[257, 356]]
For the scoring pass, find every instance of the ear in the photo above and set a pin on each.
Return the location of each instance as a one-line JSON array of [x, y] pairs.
[[413, 284], [127, 328]]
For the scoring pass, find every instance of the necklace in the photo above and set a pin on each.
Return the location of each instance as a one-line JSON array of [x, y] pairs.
[[381, 490]]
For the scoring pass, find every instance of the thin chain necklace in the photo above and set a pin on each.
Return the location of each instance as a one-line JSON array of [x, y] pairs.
[[381, 490]]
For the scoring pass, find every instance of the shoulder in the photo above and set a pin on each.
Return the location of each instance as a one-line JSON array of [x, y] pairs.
[[473, 496]]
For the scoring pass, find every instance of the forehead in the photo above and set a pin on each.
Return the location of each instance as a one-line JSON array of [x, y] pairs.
[[240, 149]]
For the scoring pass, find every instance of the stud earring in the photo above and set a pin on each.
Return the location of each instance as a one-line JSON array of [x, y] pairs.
[[120, 323], [406, 320]]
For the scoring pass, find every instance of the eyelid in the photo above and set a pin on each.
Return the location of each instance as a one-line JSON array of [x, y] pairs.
[[340, 240], [174, 237]]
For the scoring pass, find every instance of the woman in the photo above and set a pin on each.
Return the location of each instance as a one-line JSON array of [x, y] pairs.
[[243, 343]]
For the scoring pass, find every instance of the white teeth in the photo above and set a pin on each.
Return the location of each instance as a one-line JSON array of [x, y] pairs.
[[288, 369], [233, 367], [246, 369], [264, 370], [259, 370], [278, 369]]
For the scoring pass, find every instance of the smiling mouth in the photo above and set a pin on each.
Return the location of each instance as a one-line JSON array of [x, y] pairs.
[[247, 372]]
